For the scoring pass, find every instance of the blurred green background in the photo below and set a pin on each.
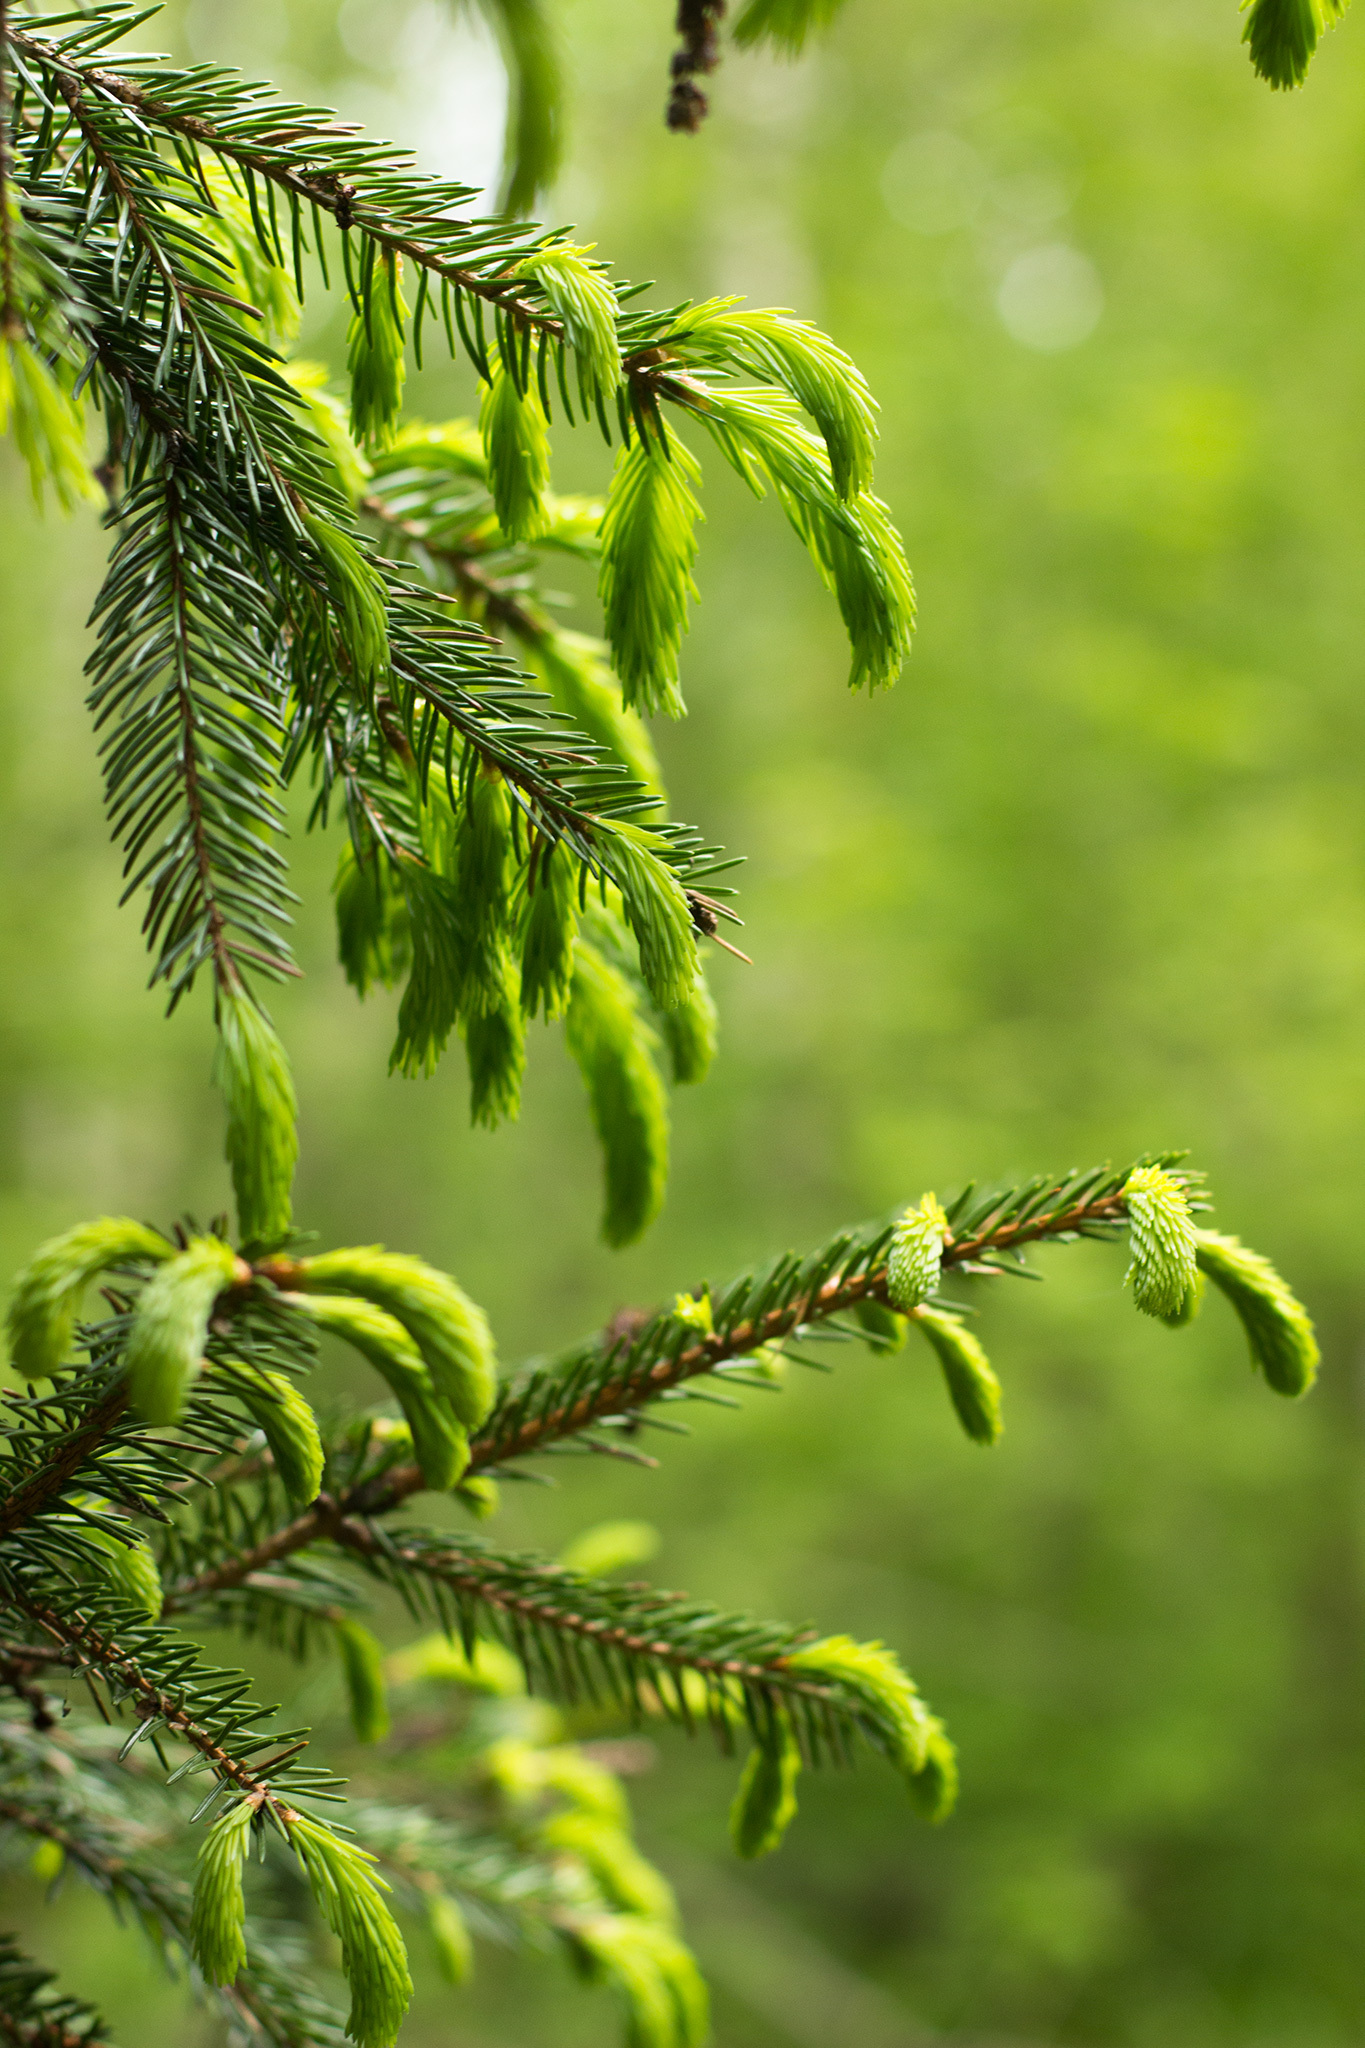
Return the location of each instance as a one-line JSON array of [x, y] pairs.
[[1091, 880]]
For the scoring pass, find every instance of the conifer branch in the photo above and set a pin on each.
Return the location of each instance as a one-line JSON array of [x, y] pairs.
[[170, 696], [617, 1374], [624, 1370], [99, 1652], [317, 1524], [62, 1461], [225, 972], [275, 151], [46, 1796], [501, 602], [579, 1637]]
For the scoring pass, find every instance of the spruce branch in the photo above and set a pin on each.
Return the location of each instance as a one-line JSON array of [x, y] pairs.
[[285, 144], [101, 1653], [50, 1478], [538, 286], [619, 1373], [60, 1792], [179, 618], [641, 1360], [579, 1636]]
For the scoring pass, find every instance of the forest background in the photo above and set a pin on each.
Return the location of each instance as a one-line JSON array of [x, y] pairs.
[[1090, 881]]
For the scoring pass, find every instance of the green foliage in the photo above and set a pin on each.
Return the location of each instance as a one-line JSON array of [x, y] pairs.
[[656, 1978], [853, 545], [170, 1325], [495, 1044], [535, 130], [1163, 1273], [358, 600], [34, 2010], [896, 1717], [742, 1330], [580, 296], [1278, 1328], [916, 1255], [823, 380], [690, 1029], [449, 1330], [47, 424], [765, 1804], [362, 1661], [576, 671], [972, 1386], [547, 945], [649, 547], [933, 1788], [787, 24], [280, 641], [657, 911], [482, 1497], [432, 937], [611, 1547], [517, 444], [262, 1110], [374, 937], [327, 417], [128, 1568], [348, 1895], [613, 1047], [450, 1938], [882, 1328], [377, 359], [217, 1928], [288, 1424], [259, 278], [627, 1881], [525, 1771], [486, 1667], [191, 731], [42, 1310], [1281, 36], [440, 1442]]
